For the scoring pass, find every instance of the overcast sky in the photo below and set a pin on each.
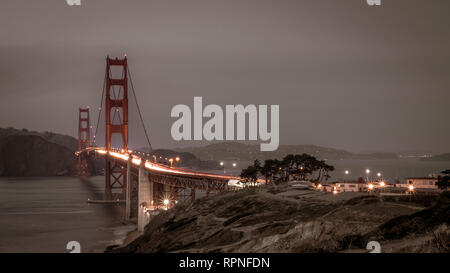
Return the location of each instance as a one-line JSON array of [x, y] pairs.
[[345, 75]]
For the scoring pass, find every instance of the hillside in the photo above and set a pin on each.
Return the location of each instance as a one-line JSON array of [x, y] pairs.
[[25, 153], [440, 157], [187, 160], [282, 219], [247, 152]]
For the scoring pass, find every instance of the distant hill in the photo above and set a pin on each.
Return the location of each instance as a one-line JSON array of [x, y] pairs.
[[187, 160], [247, 152], [441, 157], [29, 153]]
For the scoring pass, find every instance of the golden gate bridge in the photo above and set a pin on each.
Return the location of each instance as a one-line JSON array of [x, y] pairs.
[[134, 175]]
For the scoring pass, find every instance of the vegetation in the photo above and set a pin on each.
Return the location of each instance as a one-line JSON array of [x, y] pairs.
[[303, 166], [444, 180]]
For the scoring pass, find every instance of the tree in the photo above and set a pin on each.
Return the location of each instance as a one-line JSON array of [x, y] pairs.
[[250, 174], [444, 180]]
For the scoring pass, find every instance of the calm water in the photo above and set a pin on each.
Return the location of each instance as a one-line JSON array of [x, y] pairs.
[[43, 214], [391, 169]]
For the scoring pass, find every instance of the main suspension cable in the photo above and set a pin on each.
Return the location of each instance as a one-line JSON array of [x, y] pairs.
[[139, 111], [100, 108]]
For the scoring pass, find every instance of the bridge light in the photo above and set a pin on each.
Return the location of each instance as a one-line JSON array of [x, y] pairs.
[[234, 164], [370, 186], [382, 184], [411, 188], [177, 158], [166, 202]]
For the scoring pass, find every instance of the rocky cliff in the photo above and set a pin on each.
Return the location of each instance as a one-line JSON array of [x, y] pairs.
[[282, 219]]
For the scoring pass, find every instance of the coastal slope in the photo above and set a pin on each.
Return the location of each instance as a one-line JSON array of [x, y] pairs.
[[280, 219]]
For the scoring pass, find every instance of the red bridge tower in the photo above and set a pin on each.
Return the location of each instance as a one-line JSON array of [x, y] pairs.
[[115, 174], [84, 141]]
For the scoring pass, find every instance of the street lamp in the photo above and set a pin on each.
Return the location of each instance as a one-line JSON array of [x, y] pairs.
[[367, 174], [223, 165], [347, 172], [379, 175], [234, 164], [171, 162], [166, 203]]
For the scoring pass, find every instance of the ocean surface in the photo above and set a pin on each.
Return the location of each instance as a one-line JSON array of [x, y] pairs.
[[390, 169], [44, 214]]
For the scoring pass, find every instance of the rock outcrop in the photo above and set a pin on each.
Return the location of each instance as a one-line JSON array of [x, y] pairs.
[[282, 219]]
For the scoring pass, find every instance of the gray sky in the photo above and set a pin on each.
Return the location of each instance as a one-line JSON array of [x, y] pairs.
[[345, 75]]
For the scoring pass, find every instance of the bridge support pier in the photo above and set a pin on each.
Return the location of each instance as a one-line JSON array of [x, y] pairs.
[[145, 193], [128, 193]]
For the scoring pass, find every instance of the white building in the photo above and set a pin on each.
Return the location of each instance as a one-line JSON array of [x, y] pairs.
[[422, 182], [350, 186]]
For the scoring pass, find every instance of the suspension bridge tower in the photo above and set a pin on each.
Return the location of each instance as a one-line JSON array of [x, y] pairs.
[[84, 140], [116, 118]]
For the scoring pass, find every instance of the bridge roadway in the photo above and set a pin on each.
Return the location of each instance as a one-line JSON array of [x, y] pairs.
[[151, 186]]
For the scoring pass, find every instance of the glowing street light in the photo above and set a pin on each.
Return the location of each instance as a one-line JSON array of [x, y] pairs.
[[347, 172], [382, 184], [411, 188], [234, 164], [166, 203], [171, 162], [335, 190], [177, 158], [371, 186], [379, 174], [367, 174], [223, 165]]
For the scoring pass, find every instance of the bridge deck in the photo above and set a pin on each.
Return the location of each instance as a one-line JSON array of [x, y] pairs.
[[159, 168]]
